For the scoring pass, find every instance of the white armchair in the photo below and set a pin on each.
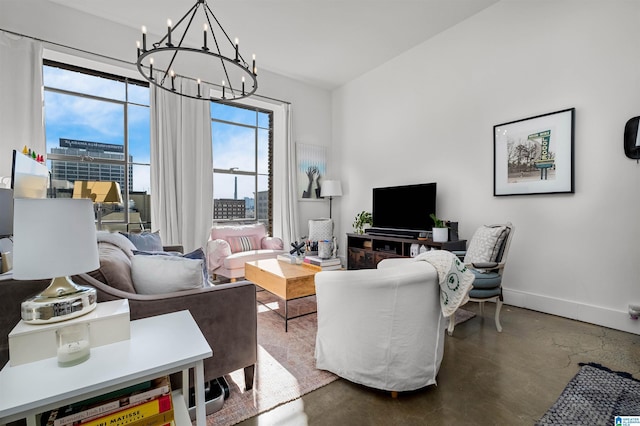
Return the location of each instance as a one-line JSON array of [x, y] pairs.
[[381, 328]]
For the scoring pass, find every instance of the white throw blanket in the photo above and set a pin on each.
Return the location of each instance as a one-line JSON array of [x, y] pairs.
[[454, 278], [117, 240]]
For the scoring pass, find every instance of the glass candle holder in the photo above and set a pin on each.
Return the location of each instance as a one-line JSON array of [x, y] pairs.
[[73, 344]]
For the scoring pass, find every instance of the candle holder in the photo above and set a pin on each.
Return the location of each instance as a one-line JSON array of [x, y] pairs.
[[73, 344]]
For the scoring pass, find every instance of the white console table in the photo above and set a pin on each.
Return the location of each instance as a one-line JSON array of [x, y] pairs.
[[158, 346]]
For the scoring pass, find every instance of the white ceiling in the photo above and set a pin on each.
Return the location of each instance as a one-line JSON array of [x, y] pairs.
[[322, 42]]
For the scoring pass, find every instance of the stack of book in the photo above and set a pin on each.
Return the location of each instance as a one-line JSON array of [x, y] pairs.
[[324, 264], [146, 404]]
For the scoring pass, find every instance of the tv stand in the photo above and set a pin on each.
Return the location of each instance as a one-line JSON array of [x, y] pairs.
[[364, 251]]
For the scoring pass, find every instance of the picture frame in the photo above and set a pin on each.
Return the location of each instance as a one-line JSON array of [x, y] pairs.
[[535, 155], [311, 169]]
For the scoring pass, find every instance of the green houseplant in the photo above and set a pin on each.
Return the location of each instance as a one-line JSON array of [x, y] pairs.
[[363, 218], [440, 230]]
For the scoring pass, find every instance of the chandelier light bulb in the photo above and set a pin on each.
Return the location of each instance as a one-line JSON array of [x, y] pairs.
[[169, 33], [199, 88], [144, 38], [204, 47]]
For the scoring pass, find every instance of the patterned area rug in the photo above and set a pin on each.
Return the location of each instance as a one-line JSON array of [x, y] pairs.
[[286, 363], [595, 396]]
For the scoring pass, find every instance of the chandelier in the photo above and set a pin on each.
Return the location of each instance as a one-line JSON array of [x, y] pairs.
[[194, 71]]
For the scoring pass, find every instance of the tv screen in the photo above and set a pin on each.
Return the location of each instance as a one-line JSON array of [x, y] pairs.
[[404, 207], [29, 179]]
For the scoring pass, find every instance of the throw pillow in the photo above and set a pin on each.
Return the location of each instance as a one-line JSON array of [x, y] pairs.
[[243, 243], [165, 274], [485, 244], [148, 241], [196, 254]]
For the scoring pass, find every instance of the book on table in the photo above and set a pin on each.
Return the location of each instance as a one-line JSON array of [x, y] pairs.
[[141, 401], [316, 260]]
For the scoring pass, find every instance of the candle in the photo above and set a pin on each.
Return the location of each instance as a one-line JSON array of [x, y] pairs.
[[151, 68], [223, 89], [254, 65], [138, 46], [169, 33], [173, 80], [199, 88], [73, 344], [242, 85], [237, 42], [205, 38], [144, 38]]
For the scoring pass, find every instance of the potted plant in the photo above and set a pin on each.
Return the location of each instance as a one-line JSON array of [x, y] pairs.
[[363, 218], [440, 230]]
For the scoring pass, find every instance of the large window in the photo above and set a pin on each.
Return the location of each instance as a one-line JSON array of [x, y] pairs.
[[242, 163], [97, 129]]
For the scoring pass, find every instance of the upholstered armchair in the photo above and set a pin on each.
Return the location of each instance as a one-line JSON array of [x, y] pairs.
[[382, 328], [486, 258], [231, 246]]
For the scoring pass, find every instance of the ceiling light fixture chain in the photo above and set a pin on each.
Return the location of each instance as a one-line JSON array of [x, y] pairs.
[[229, 75]]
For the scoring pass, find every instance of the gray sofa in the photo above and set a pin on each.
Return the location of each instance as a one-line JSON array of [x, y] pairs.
[[225, 313]]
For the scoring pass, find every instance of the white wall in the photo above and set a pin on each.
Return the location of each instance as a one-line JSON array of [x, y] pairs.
[[57, 24], [428, 115]]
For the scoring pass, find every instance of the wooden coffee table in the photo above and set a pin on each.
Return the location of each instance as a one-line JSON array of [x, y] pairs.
[[285, 280]]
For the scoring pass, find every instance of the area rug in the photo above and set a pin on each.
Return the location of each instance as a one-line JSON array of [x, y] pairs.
[[286, 364], [595, 396]]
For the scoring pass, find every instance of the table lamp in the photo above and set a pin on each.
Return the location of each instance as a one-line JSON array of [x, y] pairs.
[[331, 188], [99, 192], [55, 238]]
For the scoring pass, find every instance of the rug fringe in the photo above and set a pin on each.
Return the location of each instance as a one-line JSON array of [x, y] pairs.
[[602, 367]]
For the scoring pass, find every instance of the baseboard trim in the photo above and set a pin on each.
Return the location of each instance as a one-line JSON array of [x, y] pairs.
[[618, 320]]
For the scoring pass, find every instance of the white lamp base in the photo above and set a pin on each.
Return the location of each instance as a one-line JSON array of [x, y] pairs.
[[62, 300]]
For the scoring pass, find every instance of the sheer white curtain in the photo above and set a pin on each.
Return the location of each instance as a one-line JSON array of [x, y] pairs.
[[21, 100], [289, 206], [181, 169]]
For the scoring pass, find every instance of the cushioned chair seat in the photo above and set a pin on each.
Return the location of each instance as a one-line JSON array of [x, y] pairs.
[[485, 294], [237, 260], [486, 280]]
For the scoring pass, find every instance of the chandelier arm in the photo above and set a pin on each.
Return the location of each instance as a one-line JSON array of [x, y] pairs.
[[215, 41], [222, 29], [184, 34]]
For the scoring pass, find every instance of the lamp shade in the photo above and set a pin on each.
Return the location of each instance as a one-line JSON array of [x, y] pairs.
[[98, 192], [331, 188], [53, 237]]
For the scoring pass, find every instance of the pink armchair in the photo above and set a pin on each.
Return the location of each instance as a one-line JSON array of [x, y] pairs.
[[231, 246]]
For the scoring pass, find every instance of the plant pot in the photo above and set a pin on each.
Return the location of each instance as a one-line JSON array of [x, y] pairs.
[[440, 235]]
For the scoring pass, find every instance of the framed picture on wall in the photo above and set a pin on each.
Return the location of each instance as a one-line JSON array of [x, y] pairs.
[[311, 169], [534, 155]]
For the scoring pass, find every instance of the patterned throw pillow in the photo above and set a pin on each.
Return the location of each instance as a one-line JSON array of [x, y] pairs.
[[485, 244], [243, 243]]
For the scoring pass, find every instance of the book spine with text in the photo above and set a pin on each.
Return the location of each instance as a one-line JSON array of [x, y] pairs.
[[136, 413]]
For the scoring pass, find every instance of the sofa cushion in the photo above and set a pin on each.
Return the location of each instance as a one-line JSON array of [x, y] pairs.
[[271, 243], [165, 274], [237, 260], [148, 241], [243, 243], [115, 268], [196, 254], [223, 232], [485, 244]]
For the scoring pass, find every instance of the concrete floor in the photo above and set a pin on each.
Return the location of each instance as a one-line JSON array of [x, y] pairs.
[[486, 377]]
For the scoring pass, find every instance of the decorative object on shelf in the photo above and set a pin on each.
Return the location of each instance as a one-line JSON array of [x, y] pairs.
[[362, 219], [325, 249], [73, 344], [100, 193], [440, 231], [534, 155], [631, 139], [169, 66], [55, 237], [6, 212], [331, 188]]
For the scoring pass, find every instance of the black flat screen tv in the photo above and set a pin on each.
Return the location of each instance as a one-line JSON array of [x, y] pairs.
[[405, 208]]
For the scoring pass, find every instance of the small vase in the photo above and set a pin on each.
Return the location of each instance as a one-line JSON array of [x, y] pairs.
[[440, 235]]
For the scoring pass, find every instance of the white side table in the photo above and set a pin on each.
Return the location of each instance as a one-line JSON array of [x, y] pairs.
[[158, 346]]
